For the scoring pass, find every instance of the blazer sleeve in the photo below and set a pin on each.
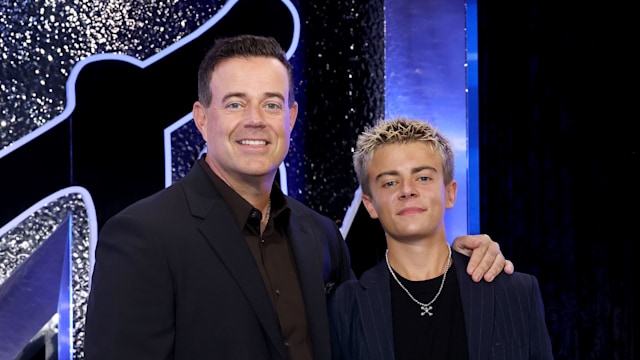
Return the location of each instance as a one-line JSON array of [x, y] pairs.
[[130, 307], [504, 319], [520, 330], [540, 341]]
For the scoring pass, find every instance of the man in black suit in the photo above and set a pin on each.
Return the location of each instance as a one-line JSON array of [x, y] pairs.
[[222, 264]]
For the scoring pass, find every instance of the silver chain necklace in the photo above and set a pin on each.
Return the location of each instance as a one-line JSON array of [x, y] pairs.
[[268, 212], [426, 308]]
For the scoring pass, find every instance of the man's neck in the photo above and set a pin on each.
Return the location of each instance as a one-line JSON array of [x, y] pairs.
[[255, 189]]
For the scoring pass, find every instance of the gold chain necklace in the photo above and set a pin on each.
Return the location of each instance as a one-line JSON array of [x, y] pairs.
[[426, 308]]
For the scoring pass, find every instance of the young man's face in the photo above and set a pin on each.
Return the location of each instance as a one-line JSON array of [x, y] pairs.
[[408, 194], [248, 124]]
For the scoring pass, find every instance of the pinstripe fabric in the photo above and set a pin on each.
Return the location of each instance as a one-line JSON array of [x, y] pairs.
[[504, 319]]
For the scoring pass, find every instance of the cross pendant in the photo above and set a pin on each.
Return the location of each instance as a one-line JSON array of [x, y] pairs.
[[426, 310]]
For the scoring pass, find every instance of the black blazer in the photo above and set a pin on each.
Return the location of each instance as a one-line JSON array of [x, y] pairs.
[[174, 279], [504, 319]]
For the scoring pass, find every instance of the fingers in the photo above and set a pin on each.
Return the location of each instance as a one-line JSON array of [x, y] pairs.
[[486, 260], [481, 257], [509, 268], [496, 267], [466, 244]]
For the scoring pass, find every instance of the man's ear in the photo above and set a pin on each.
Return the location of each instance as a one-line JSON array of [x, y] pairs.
[[368, 204], [450, 195], [293, 115], [200, 118]]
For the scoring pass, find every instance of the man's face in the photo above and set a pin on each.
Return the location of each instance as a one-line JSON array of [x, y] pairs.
[[408, 194], [248, 123]]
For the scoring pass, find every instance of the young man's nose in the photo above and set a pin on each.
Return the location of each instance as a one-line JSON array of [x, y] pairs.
[[408, 190]]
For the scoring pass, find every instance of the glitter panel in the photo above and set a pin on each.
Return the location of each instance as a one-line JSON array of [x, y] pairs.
[[340, 90], [339, 70], [17, 244], [186, 144]]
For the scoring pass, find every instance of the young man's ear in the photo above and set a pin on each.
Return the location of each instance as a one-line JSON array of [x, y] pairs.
[[368, 204], [451, 192]]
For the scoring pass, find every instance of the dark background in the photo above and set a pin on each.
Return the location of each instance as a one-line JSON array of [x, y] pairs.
[[559, 164]]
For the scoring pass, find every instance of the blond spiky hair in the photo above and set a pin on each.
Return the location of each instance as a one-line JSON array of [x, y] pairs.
[[399, 130]]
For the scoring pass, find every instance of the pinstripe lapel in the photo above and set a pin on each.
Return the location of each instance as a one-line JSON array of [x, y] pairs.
[[378, 326], [478, 305]]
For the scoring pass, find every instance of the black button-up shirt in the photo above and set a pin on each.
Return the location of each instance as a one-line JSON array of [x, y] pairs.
[[274, 259]]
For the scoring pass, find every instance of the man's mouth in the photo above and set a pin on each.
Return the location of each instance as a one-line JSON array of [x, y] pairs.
[[253, 142]]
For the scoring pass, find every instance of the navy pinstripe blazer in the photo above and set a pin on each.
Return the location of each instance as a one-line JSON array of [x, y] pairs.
[[504, 319]]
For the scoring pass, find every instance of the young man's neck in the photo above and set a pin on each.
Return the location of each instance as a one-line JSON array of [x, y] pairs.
[[418, 262]]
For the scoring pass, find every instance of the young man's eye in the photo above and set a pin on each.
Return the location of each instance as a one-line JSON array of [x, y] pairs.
[[388, 184], [424, 178]]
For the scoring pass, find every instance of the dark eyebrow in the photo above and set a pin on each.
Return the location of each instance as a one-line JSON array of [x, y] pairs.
[[275, 94], [244, 95], [385, 173], [413, 171], [233, 94], [421, 168]]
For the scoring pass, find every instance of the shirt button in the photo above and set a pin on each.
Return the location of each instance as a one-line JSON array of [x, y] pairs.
[[278, 292], [255, 214], [286, 344]]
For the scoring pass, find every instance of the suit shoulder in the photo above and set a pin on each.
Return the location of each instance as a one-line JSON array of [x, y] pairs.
[[517, 276], [154, 200], [345, 291], [297, 205], [517, 281], [302, 210], [153, 209], [195, 182]]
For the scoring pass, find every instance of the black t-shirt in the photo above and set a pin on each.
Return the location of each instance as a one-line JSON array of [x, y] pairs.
[[440, 336]]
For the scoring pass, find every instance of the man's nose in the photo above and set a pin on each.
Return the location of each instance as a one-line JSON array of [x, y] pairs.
[[254, 116]]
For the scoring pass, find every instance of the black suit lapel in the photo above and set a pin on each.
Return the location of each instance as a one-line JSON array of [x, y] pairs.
[[220, 230], [306, 247]]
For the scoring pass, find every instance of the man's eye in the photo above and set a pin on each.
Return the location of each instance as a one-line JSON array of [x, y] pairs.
[[273, 106], [234, 106], [388, 184], [424, 178]]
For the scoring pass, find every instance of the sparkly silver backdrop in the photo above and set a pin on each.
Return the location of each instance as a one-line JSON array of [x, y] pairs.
[[42, 41], [339, 66]]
